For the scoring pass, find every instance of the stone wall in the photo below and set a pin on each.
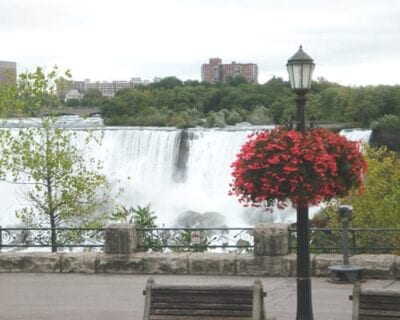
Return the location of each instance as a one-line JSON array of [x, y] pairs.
[[271, 258], [240, 264]]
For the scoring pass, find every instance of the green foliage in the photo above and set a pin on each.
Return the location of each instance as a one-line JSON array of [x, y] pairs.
[[388, 121], [379, 205], [233, 118], [142, 217], [145, 218], [236, 80], [172, 102], [34, 95], [167, 83], [259, 115], [215, 119], [63, 187], [92, 98], [64, 190], [10, 103]]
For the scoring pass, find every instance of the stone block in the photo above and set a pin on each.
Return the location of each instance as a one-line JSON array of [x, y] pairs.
[[121, 239], [290, 262], [321, 263], [118, 263], [249, 265], [78, 262], [271, 239], [212, 263], [165, 263], [45, 262], [396, 266], [376, 266]]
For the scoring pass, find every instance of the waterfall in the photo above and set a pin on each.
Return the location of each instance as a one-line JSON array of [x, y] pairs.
[[362, 135], [173, 170]]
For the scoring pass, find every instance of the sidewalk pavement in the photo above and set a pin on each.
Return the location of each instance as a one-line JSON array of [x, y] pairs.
[[26, 296]]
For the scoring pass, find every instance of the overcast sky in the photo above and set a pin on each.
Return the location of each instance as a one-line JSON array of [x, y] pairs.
[[353, 42]]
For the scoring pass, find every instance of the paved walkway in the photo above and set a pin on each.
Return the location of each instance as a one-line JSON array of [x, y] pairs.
[[119, 297]]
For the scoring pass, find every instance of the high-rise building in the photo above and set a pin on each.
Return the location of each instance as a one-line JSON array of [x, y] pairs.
[[8, 72], [215, 71]]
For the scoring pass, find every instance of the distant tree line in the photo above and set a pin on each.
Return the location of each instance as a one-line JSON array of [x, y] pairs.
[[172, 102]]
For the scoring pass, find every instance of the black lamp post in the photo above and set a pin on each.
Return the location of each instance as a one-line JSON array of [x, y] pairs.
[[300, 68]]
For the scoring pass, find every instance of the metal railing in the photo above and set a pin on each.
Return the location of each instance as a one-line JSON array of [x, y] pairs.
[[322, 240], [155, 239], [41, 238], [361, 240], [196, 239]]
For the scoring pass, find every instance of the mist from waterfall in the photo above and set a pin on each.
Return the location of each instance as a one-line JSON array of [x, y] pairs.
[[173, 170]]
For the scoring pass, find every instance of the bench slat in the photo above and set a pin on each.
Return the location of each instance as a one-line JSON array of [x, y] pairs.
[[202, 299], [217, 293], [363, 317], [186, 317], [230, 288], [196, 305], [379, 299], [202, 312], [381, 306], [382, 313]]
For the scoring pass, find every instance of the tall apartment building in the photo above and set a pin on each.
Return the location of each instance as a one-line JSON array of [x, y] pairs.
[[215, 71], [8, 72]]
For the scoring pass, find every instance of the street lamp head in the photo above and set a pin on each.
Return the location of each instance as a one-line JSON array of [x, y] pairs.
[[345, 211], [300, 68]]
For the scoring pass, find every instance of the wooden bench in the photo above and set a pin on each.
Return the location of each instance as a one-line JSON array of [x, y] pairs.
[[200, 302], [375, 304]]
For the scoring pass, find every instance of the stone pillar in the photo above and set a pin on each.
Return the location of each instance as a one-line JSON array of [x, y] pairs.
[[271, 239], [121, 238]]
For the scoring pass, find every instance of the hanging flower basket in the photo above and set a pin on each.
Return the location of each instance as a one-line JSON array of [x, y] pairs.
[[278, 166]]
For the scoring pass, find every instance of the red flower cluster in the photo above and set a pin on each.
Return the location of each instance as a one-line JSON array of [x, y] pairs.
[[306, 168]]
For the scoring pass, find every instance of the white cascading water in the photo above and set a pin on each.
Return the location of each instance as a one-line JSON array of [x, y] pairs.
[[172, 171]]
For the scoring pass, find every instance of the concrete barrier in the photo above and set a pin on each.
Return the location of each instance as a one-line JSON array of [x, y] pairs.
[[243, 264], [270, 258]]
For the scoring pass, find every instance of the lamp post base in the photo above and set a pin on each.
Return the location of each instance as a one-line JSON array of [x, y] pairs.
[[304, 300], [304, 306]]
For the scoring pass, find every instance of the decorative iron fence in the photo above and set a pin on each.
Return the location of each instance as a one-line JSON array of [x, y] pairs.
[[361, 240], [41, 238], [197, 239], [322, 240]]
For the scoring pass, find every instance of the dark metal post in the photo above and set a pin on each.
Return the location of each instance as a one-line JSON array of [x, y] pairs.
[[304, 300], [354, 241], [301, 116], [345, 237]]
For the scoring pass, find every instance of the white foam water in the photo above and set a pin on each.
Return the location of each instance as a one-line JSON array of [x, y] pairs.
[[146, 162]]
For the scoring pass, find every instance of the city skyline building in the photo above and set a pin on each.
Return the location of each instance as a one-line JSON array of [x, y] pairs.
[[216, 72], [106, 88], [8, 72]]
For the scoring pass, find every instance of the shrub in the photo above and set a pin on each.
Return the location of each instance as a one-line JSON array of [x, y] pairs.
[[388, 121]]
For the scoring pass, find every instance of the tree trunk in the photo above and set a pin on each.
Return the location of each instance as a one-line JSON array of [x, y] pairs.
[[50, 204], [53, 233]]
